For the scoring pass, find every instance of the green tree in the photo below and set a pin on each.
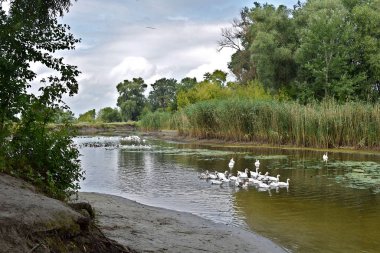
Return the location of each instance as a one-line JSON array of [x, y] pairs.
[[186, 84], [88, 116], [109, 114], [62, 116], [31, 33], [365, 49], [218, 77], [163, 94], [131, 98], [323, 54], [273, 41]]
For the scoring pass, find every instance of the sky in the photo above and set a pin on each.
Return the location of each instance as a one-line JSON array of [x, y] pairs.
[[152, 39]]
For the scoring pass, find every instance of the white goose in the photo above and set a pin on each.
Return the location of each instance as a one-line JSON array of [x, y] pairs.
[[253, 181], [231, 163], [263, 177], [284, 184], [325, 157], [221, 175], [233, 178], [263, 185], [274, 184], [204, 175], [213, 181], [257, 163], [274, 179], [255, 174], [213, 175], [243, 174]]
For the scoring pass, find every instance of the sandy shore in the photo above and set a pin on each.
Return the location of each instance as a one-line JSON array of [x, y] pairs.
[[151, 229]]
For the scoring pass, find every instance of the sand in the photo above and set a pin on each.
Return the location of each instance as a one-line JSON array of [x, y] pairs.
[[150, 229]]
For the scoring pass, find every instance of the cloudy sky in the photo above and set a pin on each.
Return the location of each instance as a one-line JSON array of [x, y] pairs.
[[118, 43]]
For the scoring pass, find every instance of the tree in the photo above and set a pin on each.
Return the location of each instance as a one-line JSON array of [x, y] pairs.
[[109, 114], [30, 33], [267, 38], [131, 98], [273, 41], [88, 116], [217, 77], [62, 116], [186, 84], [163, 94], [237, 37], [365, 50], [323, 54]]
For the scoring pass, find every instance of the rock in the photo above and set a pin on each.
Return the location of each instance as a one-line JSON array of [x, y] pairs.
[[32, 222]]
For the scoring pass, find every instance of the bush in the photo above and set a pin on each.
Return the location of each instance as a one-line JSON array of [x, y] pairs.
[[43, 156]]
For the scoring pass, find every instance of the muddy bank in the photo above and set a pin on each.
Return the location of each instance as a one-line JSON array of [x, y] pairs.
[[150, 229], [32, 222]]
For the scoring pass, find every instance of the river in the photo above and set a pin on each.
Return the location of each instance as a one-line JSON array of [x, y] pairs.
[[328, 207]]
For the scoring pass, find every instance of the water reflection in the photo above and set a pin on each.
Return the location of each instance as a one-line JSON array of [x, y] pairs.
[[331, 207]]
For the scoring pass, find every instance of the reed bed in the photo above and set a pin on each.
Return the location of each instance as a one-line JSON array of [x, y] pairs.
[[153, 121], [324, 125]]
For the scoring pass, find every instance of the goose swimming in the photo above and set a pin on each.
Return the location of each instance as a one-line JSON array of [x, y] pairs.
[[325, 157], [243, 174], [231, 163], [213, 181], [284, 184], [274, 179], [255, 174]]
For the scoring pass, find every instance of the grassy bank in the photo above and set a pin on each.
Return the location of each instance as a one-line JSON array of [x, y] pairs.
[[321, 125]]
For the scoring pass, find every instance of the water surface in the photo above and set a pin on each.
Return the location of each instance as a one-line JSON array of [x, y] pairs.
[[328, 207]]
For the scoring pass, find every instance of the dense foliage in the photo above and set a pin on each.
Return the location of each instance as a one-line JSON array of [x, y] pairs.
[[88, 116], [319, 49], [131, 98], [30, 34]]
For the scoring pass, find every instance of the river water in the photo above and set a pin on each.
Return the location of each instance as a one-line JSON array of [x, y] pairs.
[[328, 207]]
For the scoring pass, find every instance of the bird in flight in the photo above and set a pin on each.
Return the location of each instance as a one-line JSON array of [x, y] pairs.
[[149, 27]]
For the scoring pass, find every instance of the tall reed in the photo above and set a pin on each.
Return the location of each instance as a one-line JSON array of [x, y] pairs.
[[155, 121], [325, 124]]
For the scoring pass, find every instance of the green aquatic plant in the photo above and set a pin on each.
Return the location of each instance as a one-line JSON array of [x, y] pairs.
[[359, 174]]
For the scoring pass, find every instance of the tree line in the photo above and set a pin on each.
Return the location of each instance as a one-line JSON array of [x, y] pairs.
[[319, 49]]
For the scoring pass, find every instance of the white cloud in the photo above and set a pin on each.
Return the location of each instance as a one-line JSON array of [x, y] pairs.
[[183, 44], [215, 60], [6, 6], [131, 67]]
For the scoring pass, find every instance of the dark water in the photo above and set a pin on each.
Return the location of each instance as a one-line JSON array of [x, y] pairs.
[[328, 207]]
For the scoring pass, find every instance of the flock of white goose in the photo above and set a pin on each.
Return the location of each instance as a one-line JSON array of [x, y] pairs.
[[247, 178]]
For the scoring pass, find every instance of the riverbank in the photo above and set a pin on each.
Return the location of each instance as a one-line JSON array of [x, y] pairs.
[[173, 135], [31, 222], [151, 229]]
